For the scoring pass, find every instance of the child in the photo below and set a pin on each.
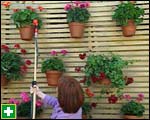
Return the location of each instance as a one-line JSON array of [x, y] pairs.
[[69, 102]]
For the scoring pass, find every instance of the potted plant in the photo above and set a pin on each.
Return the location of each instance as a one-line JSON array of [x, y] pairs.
[[128, 15], [13, 66], [77, 15], [54, 67], [23, 19], [133, 109], [24, 106], [107, 71]]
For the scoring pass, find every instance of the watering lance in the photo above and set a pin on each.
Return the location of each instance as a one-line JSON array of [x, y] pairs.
[[33, 103]]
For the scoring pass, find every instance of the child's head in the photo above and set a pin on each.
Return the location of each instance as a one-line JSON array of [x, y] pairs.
[[70, 94]]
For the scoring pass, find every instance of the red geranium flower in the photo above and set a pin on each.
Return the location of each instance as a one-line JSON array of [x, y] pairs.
[[93, 104], [129, 81], [78, 69], [29, 7], [40, 8], [83, 81], [102, 75], [6, 4], [23, 68], [82, 56], [17, 46], [112, 99], [94, 79], [23, 51], [89, 92], [28, 62], [5, 47], [15, 10]]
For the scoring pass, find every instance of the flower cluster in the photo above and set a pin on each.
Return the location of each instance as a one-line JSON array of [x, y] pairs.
[[77, 4], [139, 98], [24, 106], [62, 52], [112, 99], [89, 93], [7, 4]]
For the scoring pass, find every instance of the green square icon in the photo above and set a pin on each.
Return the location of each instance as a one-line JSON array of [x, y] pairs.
[[8, 111]]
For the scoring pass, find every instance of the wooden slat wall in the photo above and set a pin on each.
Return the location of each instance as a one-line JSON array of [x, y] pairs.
[[101, 36]]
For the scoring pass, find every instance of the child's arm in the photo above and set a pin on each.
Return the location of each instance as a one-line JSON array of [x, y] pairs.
[[47, 100]]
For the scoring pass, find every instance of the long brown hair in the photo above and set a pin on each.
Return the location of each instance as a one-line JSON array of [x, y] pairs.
[[70, 94]]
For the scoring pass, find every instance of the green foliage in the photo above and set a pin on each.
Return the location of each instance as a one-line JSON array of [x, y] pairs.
[[24, 109], [128, 11], [10, 65], [25, 17], [53, 63], [133, 108], [78, 15], [86, 109], [112, 67]]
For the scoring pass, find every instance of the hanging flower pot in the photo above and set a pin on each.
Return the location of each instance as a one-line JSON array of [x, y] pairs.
[[132, 117], [54, 66], [77, 16], [26, 33], [76, 29], [105, 81], [53, 77], [23, 19], [4, 81], [130, 29], [128, 15]]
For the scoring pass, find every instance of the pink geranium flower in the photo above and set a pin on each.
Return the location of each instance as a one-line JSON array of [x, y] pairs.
[[127, 97], [39, 103], [13, 101], [67, 7], [140, 97], [77, 3], [53, 53], [82, 5], [64, 52], [23, 94], [87, 4]]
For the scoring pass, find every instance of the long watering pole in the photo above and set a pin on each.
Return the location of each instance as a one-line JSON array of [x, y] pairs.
[[33, 107]]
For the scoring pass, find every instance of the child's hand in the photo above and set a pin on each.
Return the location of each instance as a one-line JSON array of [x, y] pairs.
[[38, 92], [35, 89]]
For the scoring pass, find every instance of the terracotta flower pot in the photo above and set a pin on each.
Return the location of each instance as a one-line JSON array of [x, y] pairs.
[[26, 33], [84, 116], [105, 81], [76, 29], [4, 81], [132, 117], [53, 77], [130, 29]]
